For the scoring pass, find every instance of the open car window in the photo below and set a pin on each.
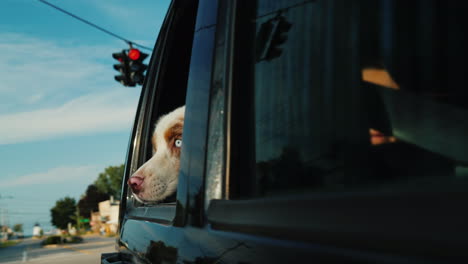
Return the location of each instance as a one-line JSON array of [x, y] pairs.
[[165, 90]]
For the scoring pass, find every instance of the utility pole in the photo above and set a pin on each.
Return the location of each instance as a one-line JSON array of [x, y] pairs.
[[4, 217], [1, 217], [4, 212]]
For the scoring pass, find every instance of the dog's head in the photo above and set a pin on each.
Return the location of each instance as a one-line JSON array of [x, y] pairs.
[[157, 179]]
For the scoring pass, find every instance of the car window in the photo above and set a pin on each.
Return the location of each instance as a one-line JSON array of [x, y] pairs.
[[342, 124], [312, 129], [284, 117], [165, 91]]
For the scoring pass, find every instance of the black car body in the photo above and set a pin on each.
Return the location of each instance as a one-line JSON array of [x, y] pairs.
[[278, 163]]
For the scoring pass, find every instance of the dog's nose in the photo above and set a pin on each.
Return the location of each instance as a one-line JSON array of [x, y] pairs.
[[135, 183]]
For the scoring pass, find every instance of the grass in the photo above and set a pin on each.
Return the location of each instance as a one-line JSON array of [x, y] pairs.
[[8, 243]]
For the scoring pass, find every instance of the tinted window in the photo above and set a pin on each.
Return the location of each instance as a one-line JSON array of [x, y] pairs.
[[313, 125]]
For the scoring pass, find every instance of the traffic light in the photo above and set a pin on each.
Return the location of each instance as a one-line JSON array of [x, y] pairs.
[[131, 67], [123, 67], [136, 66]]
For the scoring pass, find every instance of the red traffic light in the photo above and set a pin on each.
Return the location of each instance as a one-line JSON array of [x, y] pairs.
[[134, 54]]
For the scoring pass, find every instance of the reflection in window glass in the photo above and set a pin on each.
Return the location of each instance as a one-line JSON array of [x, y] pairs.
[[405, 132]]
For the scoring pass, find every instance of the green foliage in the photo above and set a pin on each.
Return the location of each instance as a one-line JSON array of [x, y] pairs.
[[73, 239], [9, 243], [54, 240], [110, 181], [90, 201], [18, 228], [63, 211]]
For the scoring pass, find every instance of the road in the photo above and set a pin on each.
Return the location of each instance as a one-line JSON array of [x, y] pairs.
[[30, 251]]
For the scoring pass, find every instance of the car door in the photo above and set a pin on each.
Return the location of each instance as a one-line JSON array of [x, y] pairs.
[[329, 129], [280, 162]]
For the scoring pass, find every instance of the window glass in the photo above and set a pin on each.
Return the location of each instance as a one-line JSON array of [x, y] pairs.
[[401, 126], [286, 138]]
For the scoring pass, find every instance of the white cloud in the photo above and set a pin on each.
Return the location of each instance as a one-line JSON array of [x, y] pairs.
[[49, 90], [58, 175], [103, 112], [34, 57], [36, 72]]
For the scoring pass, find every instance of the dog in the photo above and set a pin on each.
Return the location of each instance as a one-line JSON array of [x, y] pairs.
[[157, 179]]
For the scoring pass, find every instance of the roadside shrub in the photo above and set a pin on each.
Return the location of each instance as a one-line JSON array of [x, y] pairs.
[[52, 240], [9, 243], [73, 239]]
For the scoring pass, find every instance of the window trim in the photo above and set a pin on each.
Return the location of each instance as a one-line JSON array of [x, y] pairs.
[[191, 191], [392, 222], [216, 182]]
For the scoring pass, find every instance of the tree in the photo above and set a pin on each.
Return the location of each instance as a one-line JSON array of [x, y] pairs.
[[90, 201], [110, 181], [63, 212], [18, 228]]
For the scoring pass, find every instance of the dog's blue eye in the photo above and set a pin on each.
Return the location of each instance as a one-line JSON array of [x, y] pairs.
[[178, 143]]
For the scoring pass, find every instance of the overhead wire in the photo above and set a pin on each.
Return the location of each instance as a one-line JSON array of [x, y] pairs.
[[129, 42]]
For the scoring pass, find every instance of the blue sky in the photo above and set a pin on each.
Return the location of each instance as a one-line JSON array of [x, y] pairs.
[[63, 117]]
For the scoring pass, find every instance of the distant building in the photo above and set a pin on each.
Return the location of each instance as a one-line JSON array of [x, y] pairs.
[[107, 219], [37, 231], [5, 233]]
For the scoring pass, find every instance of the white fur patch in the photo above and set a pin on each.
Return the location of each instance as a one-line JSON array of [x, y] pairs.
[[160, 173]]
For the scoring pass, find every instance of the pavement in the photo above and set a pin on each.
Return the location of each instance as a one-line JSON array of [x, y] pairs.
[[31, 251]]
